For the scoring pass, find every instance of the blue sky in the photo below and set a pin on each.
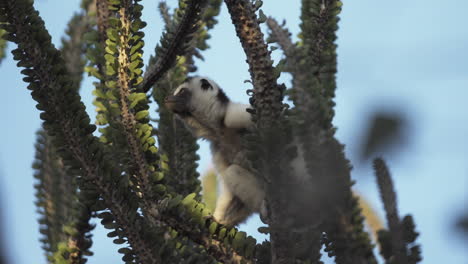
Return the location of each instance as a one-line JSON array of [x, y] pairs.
[[406, 55]]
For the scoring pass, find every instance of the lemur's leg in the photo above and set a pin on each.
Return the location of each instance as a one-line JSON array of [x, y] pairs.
[[230, 210], [243, 184]]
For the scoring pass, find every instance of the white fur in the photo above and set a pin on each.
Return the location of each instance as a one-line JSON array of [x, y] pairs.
[[244, 185], [237, 116]]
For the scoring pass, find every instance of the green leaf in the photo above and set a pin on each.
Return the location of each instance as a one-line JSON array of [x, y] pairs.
[[213, 227], [119, 241], [158, 176], [93, 71], [111, 85], [258, 4], [264, 230], [151, 141], [110, 58], [142, 114], [134, 65], [138, 80], [222, 233], [239, 240], [135, 98], [261, 17], [114, 21], [136, 47], [175, 201], [189, 199], [111, 50], [232, 233], [160, 188], [124, 251], [110, 71], [113, 34]]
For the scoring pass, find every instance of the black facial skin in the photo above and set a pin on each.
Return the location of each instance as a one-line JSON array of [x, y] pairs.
[[205, 85], [179, 103]]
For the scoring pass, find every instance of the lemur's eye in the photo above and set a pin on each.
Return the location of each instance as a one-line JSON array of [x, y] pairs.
[[182, 91], [205, 85]]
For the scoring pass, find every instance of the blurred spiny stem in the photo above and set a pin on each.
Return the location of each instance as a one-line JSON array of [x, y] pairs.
[[164, 11], [316, 81], [282, 36], [74, 47], [397, 245], [272, 132], [314, 84], [65, 220], [388, 196], [102, 15]]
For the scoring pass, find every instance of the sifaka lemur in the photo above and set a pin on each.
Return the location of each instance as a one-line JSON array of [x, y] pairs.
[[209, 114]]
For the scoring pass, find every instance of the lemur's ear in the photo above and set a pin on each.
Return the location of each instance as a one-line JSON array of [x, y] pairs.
[[205, 84]]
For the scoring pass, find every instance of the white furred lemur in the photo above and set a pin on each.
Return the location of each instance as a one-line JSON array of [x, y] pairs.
[[209, 114]]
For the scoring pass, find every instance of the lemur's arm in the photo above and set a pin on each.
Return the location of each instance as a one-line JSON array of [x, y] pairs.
[[237, 116]]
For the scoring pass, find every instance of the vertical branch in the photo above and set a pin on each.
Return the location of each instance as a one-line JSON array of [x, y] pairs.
[[124, 83], [268, 95], [49, 196], [270, 139], [313, 69], [97, 68], [74, 46], [174, 41], [102, 16], [316, 70], [388, 196], [176, 142], [130, 108], [164, 11], [282, 36], [64, 221], [397, 244]]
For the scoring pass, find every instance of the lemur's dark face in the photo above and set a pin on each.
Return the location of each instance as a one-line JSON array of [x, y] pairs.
[[179, 103], [195, 95]]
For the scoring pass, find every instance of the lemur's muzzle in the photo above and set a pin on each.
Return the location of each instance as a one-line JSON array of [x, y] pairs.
[[177, 104]]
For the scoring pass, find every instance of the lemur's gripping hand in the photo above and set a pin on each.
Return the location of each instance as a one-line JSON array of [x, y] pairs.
[[178, 103]]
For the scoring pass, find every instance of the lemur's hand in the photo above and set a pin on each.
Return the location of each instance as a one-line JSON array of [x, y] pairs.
[[177, 104]]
